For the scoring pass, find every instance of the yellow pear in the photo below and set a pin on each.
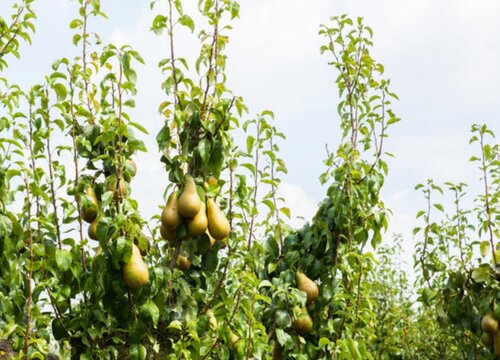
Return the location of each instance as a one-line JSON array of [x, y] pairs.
[[90, 208], [211, 239], [167, 234], [92, 231], [489, 324], [303, 323], [189, 203], [135, 271], [183, 263], [496, 343], [218, 226], [119, 190], [308, 286], [198, 224], [212, 181], [170, 217]]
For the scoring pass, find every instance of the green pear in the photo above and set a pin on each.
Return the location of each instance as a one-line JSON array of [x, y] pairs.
[[189, 203], [133, 167], [92, 231], [489, 324], [167, 234], [170, 217], [119, 190], [135, 271], [198, 225], [303, 323], [183, 263], [218, 226], [90, 206], [308, 286]]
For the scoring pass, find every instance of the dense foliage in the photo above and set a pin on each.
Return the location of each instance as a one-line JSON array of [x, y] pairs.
[[83, 275]]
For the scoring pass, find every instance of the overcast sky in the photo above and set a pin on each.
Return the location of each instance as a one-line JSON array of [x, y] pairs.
[[442, 58]]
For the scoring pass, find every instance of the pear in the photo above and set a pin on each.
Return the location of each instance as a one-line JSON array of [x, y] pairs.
[[303, 323], [189, 203], [198, 225], [119, 190], [135, 271], [496, 343], [489, 324], [170, 217], [211, 239], [487, 339], [90, 208], [183, 263], [167, 234], [133, 167], [212, 181], [308, 286], [218, 226], [92, 231]]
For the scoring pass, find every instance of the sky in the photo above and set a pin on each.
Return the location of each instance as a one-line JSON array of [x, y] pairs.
[[441, 56]]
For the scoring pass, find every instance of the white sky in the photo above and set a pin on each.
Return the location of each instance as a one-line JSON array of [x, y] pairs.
[[442, 57]]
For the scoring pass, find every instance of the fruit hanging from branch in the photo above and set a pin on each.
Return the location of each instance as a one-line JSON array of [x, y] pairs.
[[135, 271], [170, 217], [308, 286], [90, 206], [218, 225], [189, 203]]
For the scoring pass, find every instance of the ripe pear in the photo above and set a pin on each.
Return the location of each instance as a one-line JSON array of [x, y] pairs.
[[119, 190], [90, 209], [489, 324], [133, 166], [167, 234], [183, 263], [303, 323], [189, 203], [170, 217], [135, 271], [198, 225], [496, 343], [487, 339], [92, 231], [212, 181], [218, 226], [308, 286]]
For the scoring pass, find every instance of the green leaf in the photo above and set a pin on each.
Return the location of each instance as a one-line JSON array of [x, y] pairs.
[[63, 259], [137, 352], [151, 310], [484, 248], [187, 21], [60, 90]]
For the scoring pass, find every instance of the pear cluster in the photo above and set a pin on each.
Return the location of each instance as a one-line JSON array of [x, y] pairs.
[[199, 216], [135, 272], [303, 323], [491, 335]]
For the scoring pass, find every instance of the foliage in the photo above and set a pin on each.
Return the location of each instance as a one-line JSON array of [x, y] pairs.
[[457, 253], [61, 282]]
